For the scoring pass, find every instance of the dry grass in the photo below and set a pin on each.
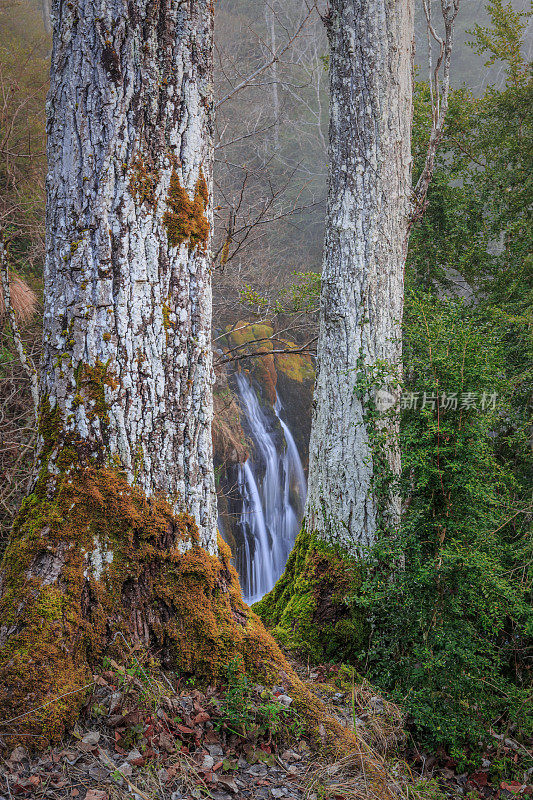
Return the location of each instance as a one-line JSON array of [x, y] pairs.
[[23, 299], [365, 775], [383, 721]]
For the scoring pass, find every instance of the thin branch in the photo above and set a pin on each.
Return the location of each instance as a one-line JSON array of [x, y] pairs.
[[282, 351], [440, 90], [275, 58]]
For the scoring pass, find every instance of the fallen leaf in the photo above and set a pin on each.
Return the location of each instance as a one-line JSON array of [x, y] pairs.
[[480, 778], [184, 729], [96, 794], [514, 787]]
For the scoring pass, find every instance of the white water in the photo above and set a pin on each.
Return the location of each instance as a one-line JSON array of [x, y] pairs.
[[273, 494]]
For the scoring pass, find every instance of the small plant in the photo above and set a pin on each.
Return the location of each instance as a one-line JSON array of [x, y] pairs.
[[236, 714], [247, 714]]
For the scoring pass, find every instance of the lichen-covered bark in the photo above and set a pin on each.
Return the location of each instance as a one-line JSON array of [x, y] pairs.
[[365, 246], [127, 278], [119, 532]]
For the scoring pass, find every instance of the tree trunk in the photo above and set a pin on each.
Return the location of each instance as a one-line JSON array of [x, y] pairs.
[[371, 46], [127, 318], [119, 533]]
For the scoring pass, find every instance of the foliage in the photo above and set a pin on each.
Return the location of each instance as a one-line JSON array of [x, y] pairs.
[[451, 631], [245, 713]]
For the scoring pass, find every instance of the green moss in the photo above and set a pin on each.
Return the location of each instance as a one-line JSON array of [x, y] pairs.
[[310, 611], [250, 333], [92, 381], [297, 367]]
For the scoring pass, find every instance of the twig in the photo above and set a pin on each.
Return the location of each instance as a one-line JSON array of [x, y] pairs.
[[275, 58], [39, 708]]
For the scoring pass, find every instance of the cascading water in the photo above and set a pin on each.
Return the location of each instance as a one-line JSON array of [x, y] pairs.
[[273, 487]]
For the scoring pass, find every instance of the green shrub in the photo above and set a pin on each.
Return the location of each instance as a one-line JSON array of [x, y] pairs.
[[451, 630]]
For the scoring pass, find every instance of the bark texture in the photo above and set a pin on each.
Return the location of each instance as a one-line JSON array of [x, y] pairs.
[[119, 533], [127, 317], [371, 47]]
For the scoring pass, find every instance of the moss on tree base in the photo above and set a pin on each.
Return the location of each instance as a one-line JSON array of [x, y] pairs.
[[97, 559], [309, 609], [92, 559]]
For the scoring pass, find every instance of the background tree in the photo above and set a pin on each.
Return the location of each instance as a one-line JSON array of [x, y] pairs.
[[364, 254]]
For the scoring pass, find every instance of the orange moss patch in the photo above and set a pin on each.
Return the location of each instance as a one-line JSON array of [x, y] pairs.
[[185, 219], [143, 183], [99, 558]]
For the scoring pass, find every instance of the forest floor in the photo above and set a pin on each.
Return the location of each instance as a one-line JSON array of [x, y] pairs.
[[144, 737]]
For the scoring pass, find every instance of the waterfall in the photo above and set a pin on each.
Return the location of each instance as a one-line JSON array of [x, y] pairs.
[[272, 486]]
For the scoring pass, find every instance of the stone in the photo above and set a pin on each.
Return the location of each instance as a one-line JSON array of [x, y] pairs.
[[18, 754], [285, 700], [258, 769]]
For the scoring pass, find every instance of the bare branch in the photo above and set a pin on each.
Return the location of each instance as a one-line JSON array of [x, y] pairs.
[[275, 58], [440, 90], [284, 350]]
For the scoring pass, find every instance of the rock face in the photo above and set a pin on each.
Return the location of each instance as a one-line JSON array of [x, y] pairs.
[[286, 376], [280, 380]]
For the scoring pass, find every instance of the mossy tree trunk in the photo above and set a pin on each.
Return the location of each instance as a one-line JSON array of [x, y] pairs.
[[119, 533], [127, 355], [354, 454], [371, 50]]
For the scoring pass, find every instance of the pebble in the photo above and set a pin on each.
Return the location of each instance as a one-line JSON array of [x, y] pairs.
[[258, 769], [285, 700]]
